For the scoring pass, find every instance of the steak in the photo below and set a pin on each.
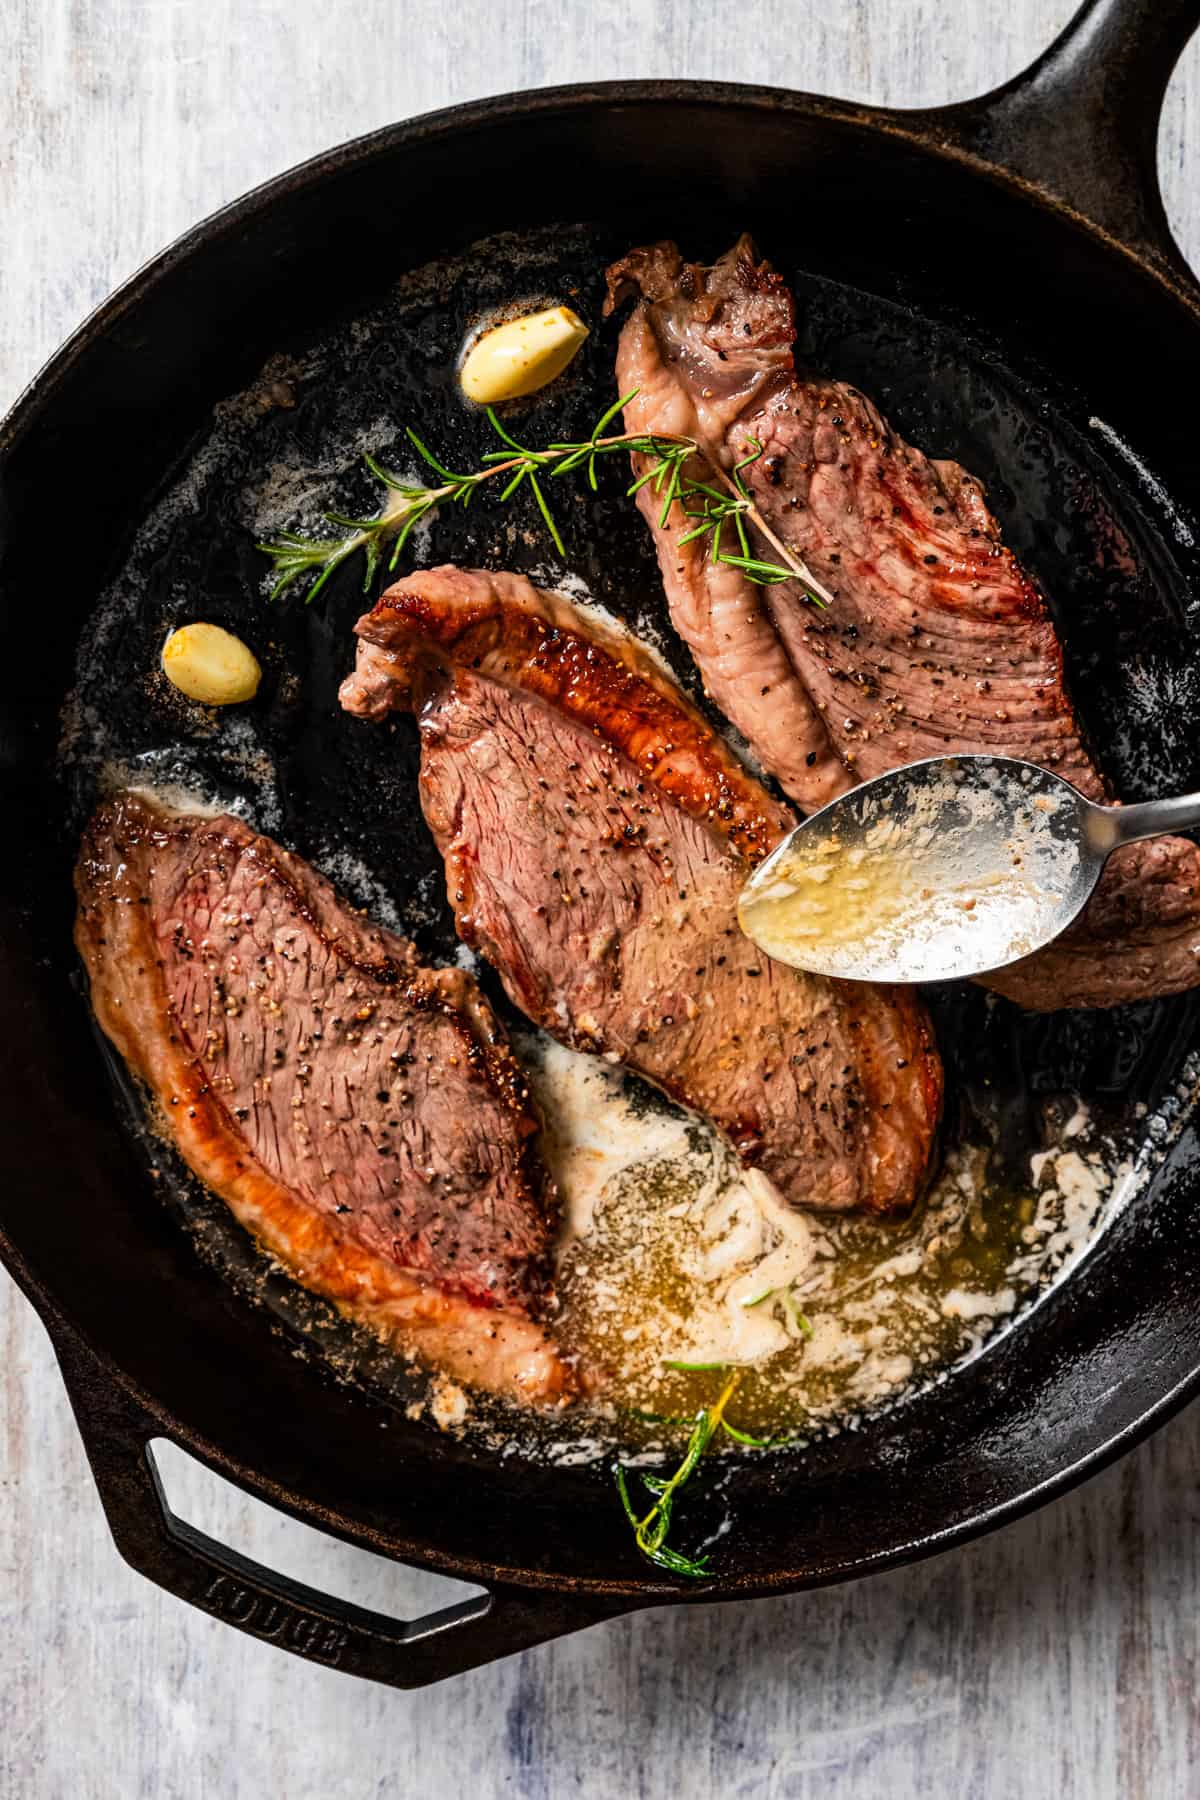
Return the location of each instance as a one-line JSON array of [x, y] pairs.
[[937, 640], [360, 1113], [596, 833]]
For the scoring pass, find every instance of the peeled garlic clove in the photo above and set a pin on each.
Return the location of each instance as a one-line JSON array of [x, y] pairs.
[[521, 356], [210, 665]]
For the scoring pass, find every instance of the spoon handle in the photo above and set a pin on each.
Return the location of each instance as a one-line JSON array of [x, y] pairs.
[[1111, 826]]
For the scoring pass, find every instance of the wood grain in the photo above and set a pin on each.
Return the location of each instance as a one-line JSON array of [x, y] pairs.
[[1056, 1659]]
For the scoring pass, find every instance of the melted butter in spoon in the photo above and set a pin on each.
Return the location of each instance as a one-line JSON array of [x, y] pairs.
[[935, 872], [871, 900]]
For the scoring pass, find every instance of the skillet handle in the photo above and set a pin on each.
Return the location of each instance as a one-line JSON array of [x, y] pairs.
[[117, 1435], [1082, 121]]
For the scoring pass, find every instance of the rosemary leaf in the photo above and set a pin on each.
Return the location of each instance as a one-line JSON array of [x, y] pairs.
[[500, 432], [285, 581], [756, 451], [744, 1437], [396, 482], [672, 490], [616, 407], [759, 1298], [626, 1502], [323, 577], [551, 527], [697, 1568], [417, 513], [645, 476], [426, 455], [573, 460]]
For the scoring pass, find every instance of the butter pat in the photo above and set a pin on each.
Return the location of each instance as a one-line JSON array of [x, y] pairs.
[[210, 665], [521, 356]]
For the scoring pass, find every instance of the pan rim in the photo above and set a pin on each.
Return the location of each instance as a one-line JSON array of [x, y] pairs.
[[646, 1592], [922, 129]]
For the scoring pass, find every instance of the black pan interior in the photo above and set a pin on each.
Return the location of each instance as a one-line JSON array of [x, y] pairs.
[[988, 370]]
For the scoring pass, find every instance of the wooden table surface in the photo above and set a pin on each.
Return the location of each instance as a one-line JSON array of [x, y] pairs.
[[1058, 1658]]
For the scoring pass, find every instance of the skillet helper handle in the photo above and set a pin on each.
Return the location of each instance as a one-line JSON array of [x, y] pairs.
[[117, 1435], [1082, 121]]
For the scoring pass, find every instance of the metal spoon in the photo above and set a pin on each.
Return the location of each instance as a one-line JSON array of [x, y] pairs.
[[941, 870]]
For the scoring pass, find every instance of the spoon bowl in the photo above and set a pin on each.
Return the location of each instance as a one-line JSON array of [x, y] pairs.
[[941, 870]]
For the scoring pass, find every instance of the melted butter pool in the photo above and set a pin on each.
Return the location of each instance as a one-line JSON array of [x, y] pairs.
[[672, 1253]]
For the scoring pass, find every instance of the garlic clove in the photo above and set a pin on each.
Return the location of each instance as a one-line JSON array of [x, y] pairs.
[[209, 664], [521, 356]]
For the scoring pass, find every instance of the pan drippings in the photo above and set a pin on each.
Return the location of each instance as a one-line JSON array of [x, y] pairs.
[[675, 1254]]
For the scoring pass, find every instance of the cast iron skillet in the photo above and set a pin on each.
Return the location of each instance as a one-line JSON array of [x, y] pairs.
[[1034, 213]]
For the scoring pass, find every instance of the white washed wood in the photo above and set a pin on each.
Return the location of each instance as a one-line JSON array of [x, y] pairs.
[[1059, 1658]]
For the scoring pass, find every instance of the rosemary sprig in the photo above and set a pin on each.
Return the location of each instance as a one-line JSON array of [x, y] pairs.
[[650, 1531], [712, 504]]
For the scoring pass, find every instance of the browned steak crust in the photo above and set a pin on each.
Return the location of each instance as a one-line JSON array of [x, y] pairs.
[[360, 1113], [596, 833]]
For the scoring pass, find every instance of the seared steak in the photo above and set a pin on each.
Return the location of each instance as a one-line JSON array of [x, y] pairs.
[[937, 641], [362, 1115], [596, 833]]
